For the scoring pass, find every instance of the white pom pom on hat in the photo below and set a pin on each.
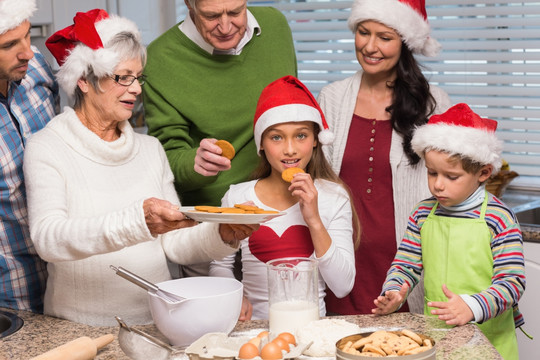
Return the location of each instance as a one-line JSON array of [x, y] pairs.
[[460, 131], [14, 12], [407, 17], [284, 100], [83, 46]]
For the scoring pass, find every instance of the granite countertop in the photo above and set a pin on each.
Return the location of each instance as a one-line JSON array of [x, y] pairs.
[[530, 233], [41, 333]]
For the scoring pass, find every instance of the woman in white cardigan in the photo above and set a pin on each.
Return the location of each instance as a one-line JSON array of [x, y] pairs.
[[100, 194], [373, 115]]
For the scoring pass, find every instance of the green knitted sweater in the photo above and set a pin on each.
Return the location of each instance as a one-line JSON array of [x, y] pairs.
[[190, 95]]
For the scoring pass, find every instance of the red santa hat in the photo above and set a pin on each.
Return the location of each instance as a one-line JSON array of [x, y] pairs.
[[459, 131], [14, 12], [288, 100], [407, 17], [84, 46]]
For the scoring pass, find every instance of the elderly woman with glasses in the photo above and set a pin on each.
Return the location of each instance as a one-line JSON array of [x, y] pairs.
[[100, 194]]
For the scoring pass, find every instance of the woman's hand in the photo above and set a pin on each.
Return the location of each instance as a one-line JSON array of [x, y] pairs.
[[454, 312], [233, 233], [246, 311], [391, 301], [161, 217], [208, 160]]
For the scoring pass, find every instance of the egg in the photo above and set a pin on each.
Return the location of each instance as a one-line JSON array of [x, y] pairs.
[[282, 343], [263, 334], [271, 351], [248, 351], [256, 341], [288, 337]]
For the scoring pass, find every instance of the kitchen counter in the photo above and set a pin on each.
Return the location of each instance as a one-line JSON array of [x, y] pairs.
[[530, 233], [41, 333], [521, 201]]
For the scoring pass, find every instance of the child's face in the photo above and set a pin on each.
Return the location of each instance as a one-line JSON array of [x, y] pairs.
[[289, 145], [447, 180]]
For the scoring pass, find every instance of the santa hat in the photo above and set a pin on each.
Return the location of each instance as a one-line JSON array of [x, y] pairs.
[[14, 12], [459, 131], [288, 100], [84, 45], [407, 17]]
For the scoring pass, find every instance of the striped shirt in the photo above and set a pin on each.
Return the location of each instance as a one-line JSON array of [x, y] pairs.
[[29, 105], [508, 280]]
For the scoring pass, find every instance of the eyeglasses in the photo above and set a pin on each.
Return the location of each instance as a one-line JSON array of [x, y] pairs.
[[127, 80]]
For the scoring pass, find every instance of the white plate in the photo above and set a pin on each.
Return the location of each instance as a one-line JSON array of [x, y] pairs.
[[226, 218]]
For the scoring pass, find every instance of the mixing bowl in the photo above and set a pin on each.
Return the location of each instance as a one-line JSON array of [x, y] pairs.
[[212, 304]]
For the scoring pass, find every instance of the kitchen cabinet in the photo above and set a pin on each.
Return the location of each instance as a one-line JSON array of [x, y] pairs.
[[528, 349]]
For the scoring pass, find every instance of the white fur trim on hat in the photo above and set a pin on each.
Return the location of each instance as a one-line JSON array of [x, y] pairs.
[[409, 23], [102, 61], [282, 114], [15, 12], [479, 145]]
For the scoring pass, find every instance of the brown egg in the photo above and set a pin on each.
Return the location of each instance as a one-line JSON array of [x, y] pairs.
[[271, 351], [248, 351], [288, 337], [263, 334], [282, 343], [256, 341]]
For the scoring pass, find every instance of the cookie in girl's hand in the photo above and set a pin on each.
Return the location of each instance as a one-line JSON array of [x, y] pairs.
[[227, 150], [288, 174]]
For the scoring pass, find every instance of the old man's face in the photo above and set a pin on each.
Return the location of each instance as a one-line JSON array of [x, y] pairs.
[[222, 23]]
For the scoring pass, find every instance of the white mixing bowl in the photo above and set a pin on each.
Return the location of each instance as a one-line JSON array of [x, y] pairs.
[[212, 305]]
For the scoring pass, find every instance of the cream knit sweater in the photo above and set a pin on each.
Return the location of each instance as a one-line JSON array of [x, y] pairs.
[[85, 200]]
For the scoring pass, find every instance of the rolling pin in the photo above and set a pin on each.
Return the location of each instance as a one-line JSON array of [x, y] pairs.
[[83, 348]]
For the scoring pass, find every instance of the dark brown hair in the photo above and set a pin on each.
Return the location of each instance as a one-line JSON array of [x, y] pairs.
[[412, 102]]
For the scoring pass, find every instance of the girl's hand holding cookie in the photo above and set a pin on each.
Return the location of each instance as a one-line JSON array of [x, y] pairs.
[[209, 160], [391, 301], [304, 189]]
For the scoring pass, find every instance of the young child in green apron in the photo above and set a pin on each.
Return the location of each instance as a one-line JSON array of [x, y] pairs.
[[465, 240]]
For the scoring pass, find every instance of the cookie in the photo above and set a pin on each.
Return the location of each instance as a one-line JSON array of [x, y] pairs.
[[204, 208], [227, 150], [374, 349], [261, 211], [247, 207], [288, 174], [412, 335], [232, 210]]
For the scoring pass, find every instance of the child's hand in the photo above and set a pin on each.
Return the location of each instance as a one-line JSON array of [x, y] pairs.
[[303, 188], [391, 301], [454, 312]]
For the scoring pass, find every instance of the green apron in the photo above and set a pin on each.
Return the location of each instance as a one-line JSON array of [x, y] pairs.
[[457, 252]]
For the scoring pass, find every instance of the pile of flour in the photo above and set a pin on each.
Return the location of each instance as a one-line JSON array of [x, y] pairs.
[[324, 334]]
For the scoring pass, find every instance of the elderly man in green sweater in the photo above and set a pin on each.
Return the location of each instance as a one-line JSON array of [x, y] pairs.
[[204, 77]]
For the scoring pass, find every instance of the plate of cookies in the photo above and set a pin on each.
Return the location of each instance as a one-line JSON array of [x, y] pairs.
[[238, 214]]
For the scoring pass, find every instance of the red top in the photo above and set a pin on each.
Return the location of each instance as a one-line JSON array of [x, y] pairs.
[[366, 170]]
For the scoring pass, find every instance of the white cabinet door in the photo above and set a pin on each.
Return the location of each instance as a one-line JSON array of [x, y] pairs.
[[528, 349]]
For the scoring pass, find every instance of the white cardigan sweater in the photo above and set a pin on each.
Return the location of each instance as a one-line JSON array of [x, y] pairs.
[[338, 100], [85, 199]]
